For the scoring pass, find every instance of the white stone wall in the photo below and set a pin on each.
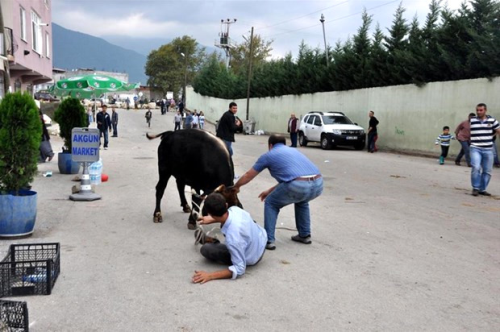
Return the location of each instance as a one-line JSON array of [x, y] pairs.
[[410, 117]]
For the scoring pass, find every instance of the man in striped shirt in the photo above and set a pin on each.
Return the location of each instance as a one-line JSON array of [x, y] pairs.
[[482, 129]]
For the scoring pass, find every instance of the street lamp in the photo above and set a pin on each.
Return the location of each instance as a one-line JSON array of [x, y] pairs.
[[322, 20], [185, 80]]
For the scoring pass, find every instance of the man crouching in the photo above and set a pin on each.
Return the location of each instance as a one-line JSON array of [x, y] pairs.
[[245, 240]]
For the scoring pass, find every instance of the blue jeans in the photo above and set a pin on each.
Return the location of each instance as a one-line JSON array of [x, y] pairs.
[[481, 158], [495, 154], [294, 192], [464, 152], [229, 147], [371, 141], [105, 134]]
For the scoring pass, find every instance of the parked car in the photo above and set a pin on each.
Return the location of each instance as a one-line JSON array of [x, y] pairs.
[[45, 96], [331, 129]]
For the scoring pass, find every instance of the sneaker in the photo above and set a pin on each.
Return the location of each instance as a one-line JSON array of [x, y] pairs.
[[484, 193], [475, 192], [305, 240], [457, 163], [105, 148], [270, 246]]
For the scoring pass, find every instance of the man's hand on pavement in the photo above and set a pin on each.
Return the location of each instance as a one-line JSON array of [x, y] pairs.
[[201, 277]]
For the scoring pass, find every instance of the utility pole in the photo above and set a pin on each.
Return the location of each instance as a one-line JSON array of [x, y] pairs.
[[322, 20], [224, 41], [250, 60], [185, 80]]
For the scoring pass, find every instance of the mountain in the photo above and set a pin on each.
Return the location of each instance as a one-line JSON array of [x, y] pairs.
[[142, 46], [73, 50]]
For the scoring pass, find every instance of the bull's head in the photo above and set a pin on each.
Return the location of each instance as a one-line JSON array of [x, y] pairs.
[[229, 193]]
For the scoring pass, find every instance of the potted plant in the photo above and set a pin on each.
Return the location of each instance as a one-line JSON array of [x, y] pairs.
[[70, 114], [20, 137]]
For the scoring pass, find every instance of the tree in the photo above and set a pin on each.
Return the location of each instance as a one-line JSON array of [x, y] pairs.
[[396, 44], [241, 54], [361, 49], [166, 66]]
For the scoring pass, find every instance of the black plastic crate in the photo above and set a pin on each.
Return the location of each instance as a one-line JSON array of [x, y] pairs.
[[14, 316], [30, 269]]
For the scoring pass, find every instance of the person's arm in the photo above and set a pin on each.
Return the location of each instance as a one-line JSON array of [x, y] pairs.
[[266, 193], [201, 277], [247, 177]]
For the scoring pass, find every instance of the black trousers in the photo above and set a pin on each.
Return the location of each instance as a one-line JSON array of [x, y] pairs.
[[444, 151], [216, 252], [177, 126]]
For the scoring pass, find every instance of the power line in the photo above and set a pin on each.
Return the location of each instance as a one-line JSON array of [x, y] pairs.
[[333, 20], [293, 19]]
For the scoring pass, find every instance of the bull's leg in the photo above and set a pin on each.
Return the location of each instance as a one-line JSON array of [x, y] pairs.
[[180, 187], [160, 190]]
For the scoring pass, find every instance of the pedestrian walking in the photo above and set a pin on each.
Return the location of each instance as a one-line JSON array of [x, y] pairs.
[[372, 132], [293, 128], [228, 124], [462, 133], [188, 120], [177, 121], [195, 122], [90, 114], [444, 140], [46, 153], [148, 116], [299, 181], [202, 120], [127, 102], [245, 240], [482, 130], [104, 125], [181, 107], [114, 121]]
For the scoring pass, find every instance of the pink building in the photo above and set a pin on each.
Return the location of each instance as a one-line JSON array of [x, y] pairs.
[[26, 48]]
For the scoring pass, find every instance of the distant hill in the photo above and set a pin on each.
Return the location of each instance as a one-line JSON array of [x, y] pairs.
[[73, 50], [144, 46]]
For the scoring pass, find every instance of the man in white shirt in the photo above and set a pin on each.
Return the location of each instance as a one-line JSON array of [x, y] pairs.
[[245, 240]]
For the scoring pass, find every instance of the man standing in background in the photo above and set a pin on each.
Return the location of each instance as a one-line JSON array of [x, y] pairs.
[[228, 126], [114, 121], [463, 136], [293, 128], [372, 131]]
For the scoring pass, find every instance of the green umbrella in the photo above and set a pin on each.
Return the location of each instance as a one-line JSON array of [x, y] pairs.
[[89, 86]]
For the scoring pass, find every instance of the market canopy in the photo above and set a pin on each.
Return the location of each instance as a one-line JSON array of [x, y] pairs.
[[90, 86]]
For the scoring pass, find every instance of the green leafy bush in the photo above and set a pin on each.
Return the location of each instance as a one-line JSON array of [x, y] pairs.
[[70, 114], [20, 136]]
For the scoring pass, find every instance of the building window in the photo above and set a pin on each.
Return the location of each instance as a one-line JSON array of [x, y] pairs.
[[23, 24], [47, 45], [36, 31]]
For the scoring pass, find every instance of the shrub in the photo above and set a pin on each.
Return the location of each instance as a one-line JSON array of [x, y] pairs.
[[70, 114], [20, 136]]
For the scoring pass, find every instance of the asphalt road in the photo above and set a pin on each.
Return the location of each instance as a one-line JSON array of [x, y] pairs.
[[399, 244]]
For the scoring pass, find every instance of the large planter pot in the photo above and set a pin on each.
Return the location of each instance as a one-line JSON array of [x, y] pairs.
[[66, 165], [17, 214]]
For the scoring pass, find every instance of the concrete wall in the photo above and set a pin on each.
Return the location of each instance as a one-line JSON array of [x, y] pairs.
[[410, 117]]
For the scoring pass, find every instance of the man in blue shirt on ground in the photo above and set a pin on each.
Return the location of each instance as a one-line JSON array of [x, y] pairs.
[[245, 240], [299, 181]]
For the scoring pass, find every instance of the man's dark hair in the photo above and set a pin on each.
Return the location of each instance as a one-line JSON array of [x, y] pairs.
[[472, 114], [372, 112], [482, 105], [275, 139], [231, 104], [446, 127], [215, 204]]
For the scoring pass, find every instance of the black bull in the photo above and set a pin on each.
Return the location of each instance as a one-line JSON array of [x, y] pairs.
[[195, 158]]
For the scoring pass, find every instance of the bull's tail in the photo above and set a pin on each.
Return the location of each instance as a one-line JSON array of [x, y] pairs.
[[151, 136]]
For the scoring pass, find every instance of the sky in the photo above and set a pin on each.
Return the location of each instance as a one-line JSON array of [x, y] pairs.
[[286, 23]]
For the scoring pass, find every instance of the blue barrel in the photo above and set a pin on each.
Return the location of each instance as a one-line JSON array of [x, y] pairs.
[[18, 213]]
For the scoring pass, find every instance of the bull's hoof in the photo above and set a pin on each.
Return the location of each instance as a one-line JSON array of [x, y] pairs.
[[191, 226], [186, 209], [157, 217]]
